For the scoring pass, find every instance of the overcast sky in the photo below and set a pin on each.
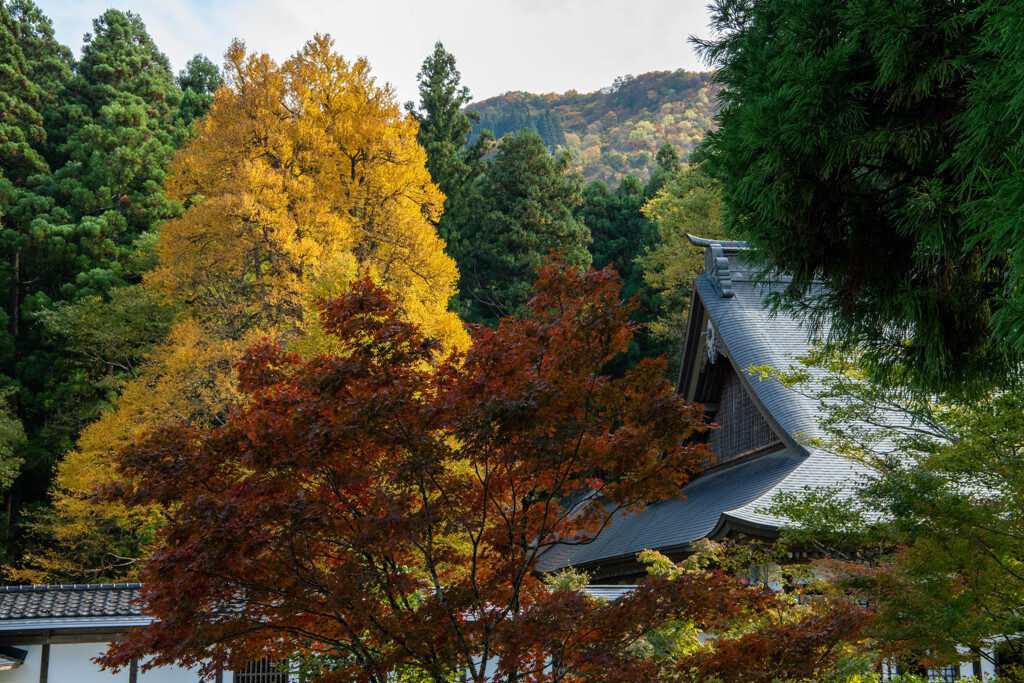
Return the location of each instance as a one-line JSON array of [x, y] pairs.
[[533, 45]]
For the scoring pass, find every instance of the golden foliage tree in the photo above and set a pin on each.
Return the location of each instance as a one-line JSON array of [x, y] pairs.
[[302, 174], [690, 204], [188, 378], [299, 167]]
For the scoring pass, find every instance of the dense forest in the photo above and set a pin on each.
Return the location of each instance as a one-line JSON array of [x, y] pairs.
[[616, 131], [138, 269]]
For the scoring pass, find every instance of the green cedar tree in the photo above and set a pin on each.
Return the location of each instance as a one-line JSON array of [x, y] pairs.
[[622, 235], [868, 150], [199, 81], [444, 133], [110, 133], [523, 209]]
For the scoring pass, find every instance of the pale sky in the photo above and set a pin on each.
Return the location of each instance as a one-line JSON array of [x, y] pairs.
[[538, 46]]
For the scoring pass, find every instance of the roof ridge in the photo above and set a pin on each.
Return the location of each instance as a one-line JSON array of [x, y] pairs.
[[728, 245], [64, 587]]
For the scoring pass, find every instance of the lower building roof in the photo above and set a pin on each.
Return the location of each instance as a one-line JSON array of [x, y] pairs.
[[73, 600], [681, 521]]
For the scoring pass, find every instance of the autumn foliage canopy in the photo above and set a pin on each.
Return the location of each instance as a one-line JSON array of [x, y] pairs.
[[381, 509]]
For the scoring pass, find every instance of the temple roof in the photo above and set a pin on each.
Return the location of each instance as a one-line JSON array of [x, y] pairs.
[[732, 499]]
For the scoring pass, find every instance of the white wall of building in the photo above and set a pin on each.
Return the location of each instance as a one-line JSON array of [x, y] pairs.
[[27, 672], [73, 664]]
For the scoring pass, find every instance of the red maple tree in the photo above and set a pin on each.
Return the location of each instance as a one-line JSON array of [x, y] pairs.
[[384, 509]]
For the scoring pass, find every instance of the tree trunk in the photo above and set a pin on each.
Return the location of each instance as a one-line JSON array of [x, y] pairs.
[[14, 301]]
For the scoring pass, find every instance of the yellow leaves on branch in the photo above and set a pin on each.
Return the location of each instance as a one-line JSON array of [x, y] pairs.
[[299, 166], [190, 377]]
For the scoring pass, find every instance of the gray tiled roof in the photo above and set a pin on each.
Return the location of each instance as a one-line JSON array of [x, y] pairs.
[[750, 336], [679, 521], [79, 600]]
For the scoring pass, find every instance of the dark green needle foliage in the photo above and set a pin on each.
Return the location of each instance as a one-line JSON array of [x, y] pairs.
[[523, 209], [114, 135], [83, 146], [667, 167], [444, 133], [990, 159], [873, 147], [199, 82], [33, 70], [621, 235], [620, 232]]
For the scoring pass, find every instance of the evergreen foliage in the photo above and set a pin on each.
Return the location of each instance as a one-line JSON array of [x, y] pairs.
[[113, 136], [108, 143], [622, 234], [84, 146], [871, 147], [519, 117], [523, 208], [199, 82], [444, 133], [33, 70]]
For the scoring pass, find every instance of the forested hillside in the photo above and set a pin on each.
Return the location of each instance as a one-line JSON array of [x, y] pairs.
[[615, 131]]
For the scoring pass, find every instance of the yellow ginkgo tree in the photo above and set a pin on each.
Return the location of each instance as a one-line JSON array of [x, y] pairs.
[[297, 169]]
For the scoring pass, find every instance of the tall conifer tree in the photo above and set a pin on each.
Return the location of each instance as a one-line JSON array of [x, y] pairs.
[[114, 137], [199, 82], [871, 150], [444, 133], [524, 206], [109, 125]]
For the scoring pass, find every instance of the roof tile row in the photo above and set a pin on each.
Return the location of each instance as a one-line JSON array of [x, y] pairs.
[[77, 600]]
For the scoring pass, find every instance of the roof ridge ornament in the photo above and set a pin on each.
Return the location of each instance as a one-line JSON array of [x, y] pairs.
[[717, 266]]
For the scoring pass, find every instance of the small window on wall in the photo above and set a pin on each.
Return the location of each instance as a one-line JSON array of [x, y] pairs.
[[266, 671], [946, 674]]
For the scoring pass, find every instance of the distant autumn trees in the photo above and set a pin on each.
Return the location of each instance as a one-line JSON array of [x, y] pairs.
[[301, 174], [617, 131]]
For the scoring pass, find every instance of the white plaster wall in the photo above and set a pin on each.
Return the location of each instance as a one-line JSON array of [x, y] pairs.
[[27, 672], [72, 664], [171, 674]]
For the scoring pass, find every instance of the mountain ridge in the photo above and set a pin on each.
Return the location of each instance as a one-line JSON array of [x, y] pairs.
[[613, 131]]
